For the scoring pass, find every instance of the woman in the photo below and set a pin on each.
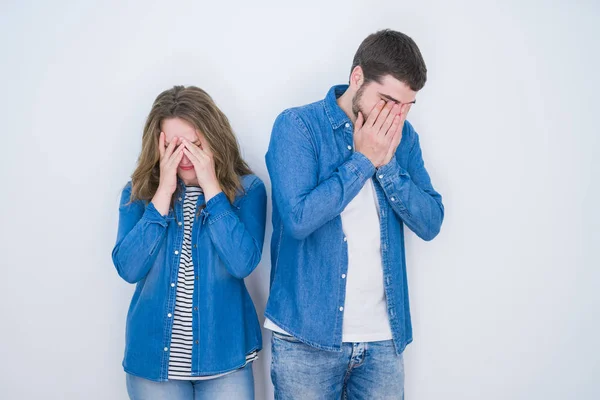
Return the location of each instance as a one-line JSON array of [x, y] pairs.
[[191, 228]]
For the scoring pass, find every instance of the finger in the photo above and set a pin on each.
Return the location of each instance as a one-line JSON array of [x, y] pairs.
[[195, 150], [203, 154], [193, 158], [396, 130], [205, 146], [171, 148], [394, 145], [161, 145], [405, 111], [360, 120], [200, 152], [385, 128], [390, 152], [374, 113], [175, 157], [382, 117], [173, 162]]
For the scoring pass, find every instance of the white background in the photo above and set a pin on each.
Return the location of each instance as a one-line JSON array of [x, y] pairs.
[[505, 301]]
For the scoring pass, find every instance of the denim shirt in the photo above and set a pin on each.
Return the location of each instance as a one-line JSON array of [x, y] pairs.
[[315, 173], [227, 241]]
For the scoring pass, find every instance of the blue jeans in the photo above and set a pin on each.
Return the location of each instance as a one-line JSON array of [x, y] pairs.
[[237, 385], [369, 371]]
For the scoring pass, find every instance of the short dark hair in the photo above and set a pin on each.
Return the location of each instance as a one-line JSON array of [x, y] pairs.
[[389, 52]]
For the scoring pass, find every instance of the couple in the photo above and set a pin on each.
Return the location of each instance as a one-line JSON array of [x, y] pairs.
[[347, 174]]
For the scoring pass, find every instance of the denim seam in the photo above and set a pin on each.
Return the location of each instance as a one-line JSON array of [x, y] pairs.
[[247, 191], [388, 186], [355, 170], [300, 124], [400, 206], [153, 220], [219, 216], [155, 244], [279, 247], [168, 328], [329, 116], [285, 338], [346, 378], [384, 256], [308, 342], [160, 378], [257, 348], [212, 220]]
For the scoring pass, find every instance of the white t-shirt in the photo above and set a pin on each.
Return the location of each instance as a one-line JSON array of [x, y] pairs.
[[365, 308]]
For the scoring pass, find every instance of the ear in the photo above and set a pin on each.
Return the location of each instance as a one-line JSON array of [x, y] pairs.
[[357, 78]]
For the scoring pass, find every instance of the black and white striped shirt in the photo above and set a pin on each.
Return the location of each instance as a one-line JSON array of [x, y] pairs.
[[180, 357]]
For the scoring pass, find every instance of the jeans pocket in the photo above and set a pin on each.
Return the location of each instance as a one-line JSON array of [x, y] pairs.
[[284, 337]]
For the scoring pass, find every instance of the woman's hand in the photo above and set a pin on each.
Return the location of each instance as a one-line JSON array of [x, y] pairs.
[[170, 157], [204, 165]]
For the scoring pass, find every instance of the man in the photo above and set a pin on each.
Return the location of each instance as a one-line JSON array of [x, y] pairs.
[[347, 174]]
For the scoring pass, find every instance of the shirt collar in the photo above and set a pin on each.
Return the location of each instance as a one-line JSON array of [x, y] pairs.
[[337, 116]]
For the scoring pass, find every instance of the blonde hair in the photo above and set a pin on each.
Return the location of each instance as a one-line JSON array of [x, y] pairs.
[[196, 107]]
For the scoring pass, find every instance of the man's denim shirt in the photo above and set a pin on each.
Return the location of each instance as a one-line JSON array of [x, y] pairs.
[[315, 173]]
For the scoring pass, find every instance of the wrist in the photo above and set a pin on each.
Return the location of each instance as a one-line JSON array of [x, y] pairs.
[[165, 191], [162, 201], [211, 191]]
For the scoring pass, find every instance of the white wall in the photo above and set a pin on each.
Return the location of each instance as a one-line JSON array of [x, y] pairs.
[[504, 301]]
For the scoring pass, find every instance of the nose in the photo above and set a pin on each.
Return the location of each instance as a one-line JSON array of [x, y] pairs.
[[185, 161]]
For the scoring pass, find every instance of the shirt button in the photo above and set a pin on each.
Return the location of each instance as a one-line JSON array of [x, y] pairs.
[[341, 308], [196, 342], [169, 315], [196, 246], [195, 308], [179, 223], [349, 147], [179, 199], [343, 276], [345, 239], [393, 199], [166, 349], [172, 285], [196, 277], [347, 125], [380, 176], [176, 252]]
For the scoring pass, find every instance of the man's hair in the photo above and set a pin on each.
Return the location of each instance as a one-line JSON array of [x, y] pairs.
[[389, 52]]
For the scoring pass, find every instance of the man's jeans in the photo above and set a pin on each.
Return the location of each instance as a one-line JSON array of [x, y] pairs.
[[368, 371]]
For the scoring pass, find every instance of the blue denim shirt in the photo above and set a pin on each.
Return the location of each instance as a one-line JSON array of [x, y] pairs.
[[315, 173], [227, 241]]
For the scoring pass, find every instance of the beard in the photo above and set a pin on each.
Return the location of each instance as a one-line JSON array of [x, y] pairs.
[[356, 108]]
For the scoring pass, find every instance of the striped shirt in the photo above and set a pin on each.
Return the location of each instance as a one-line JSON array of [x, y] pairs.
[[180, 357]]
